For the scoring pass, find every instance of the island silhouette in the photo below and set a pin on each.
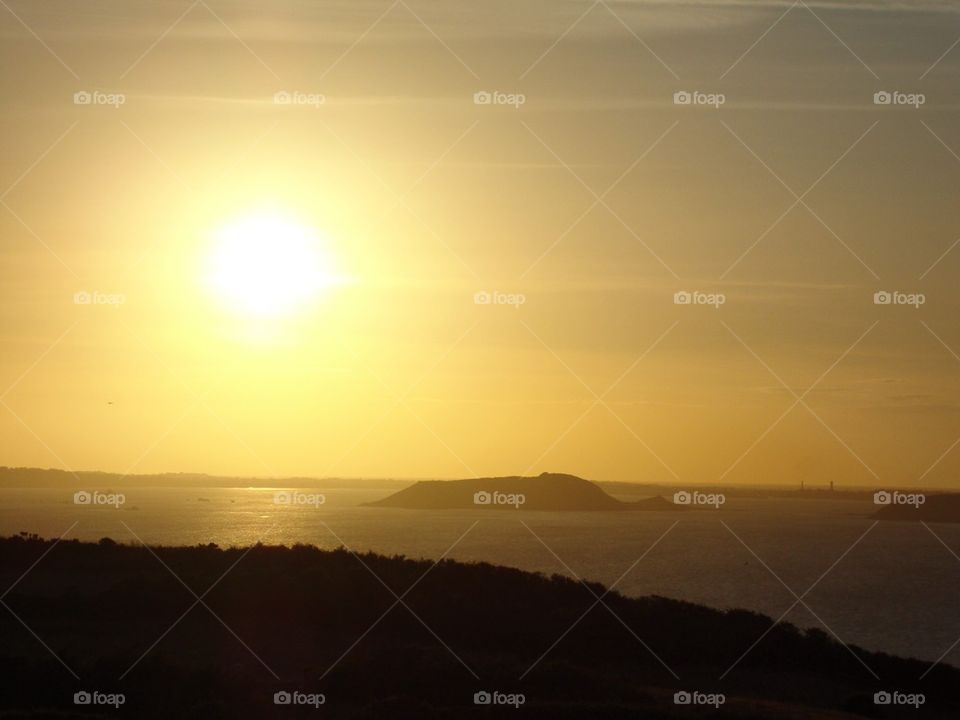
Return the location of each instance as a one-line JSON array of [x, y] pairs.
[[556, 492], [943, 508]]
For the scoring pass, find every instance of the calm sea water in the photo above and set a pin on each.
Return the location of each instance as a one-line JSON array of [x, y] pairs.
[[896, 590]]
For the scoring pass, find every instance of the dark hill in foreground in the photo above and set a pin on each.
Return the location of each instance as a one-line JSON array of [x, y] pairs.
[[328, 622], [547, 491]]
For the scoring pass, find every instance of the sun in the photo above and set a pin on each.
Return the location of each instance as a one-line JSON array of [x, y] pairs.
[[267, 264]]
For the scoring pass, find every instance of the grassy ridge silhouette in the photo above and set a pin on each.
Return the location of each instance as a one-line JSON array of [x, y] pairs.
[[297, 610]]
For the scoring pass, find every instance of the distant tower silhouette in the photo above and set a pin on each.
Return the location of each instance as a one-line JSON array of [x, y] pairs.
[[801, 485], [831, 486]]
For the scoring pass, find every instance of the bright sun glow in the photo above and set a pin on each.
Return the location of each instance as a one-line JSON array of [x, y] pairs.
[[267, 264]]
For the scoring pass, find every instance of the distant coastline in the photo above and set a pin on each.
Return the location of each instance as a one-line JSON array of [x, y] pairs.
[[28, 477], [52, 478]]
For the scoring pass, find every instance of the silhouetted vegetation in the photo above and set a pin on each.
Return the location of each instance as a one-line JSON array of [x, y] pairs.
[[297, 612]]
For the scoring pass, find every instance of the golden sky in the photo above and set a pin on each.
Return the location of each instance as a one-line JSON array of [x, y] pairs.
[[582, 198]]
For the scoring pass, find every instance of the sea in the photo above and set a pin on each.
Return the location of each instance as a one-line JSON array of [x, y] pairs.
[[816, 563]]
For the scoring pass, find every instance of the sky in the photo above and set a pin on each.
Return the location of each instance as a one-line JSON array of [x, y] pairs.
[[585, 201]]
